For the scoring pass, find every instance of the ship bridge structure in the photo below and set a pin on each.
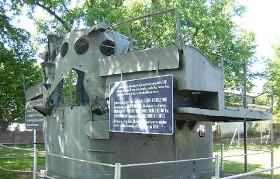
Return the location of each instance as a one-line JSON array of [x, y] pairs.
[[79, 70]]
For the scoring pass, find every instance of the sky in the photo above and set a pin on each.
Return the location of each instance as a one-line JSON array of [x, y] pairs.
[[260, 17]]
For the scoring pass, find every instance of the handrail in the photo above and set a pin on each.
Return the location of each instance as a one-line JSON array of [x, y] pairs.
[[166, 162], [16, 148], [22, 171], [144, 16], [241, 155], [80, 160], [119, 165]]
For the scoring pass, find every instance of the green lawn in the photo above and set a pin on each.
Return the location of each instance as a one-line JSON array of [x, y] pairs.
[[13, 159], [22, 160], [235, 166]]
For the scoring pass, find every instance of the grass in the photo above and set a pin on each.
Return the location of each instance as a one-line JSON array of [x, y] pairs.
[[237, 167], [13, 159], [23, 160], [233, 167]]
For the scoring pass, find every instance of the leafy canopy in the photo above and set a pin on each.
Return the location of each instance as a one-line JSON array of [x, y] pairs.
[[16, 67], [206, 25], [274, 80]]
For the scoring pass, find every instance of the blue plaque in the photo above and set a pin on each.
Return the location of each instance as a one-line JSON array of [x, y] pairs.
[[142, 105]]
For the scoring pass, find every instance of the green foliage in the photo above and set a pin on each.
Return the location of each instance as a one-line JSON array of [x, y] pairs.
[[70, 82], [16, 68], [15, 75], [19, 160], [274, 81], [206, 25], [12, 38], [263, 100], [233, 101], [238, 167], [103, 11]]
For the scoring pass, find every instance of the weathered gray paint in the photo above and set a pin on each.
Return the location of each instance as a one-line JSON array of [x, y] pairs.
[[34, 92], [146, 60], [75, 131], [69, 138], [230, 115]]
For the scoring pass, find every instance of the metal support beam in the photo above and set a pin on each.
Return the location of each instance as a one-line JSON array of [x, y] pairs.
[[245, 146], [217, 167], [245, 122], [244, 86], [179, 38], [222, 159], [272, 163], [35, 154], [117, 171]]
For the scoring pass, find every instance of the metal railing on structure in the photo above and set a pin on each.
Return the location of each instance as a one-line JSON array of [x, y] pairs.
[[117, 167], [147, 20]]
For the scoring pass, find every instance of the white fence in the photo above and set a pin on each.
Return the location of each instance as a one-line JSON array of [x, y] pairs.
[[218, 164]]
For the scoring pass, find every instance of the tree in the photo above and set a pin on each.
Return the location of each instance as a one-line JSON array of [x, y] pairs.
[[17, 69], [274, 80], [206, 25]]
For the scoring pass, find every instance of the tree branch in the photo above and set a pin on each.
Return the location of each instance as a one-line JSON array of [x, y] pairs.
[[53, 13], [63, 4]]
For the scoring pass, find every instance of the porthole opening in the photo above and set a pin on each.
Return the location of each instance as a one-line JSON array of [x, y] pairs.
[[107, 47], [64, 49], [81, 46]]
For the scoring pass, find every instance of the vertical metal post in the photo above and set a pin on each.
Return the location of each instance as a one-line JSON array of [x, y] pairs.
[[272, 133], [128, 26], [238, 137], [244, 86], [271, 110], [178, 30], [150, 24], [34, 154], [245, 146], [157, 67], [217, 167], [223, 74], [261, 137], [271, 99], [222, 156], [272, 162], [244, 122], [222, 66], [117, 171]]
